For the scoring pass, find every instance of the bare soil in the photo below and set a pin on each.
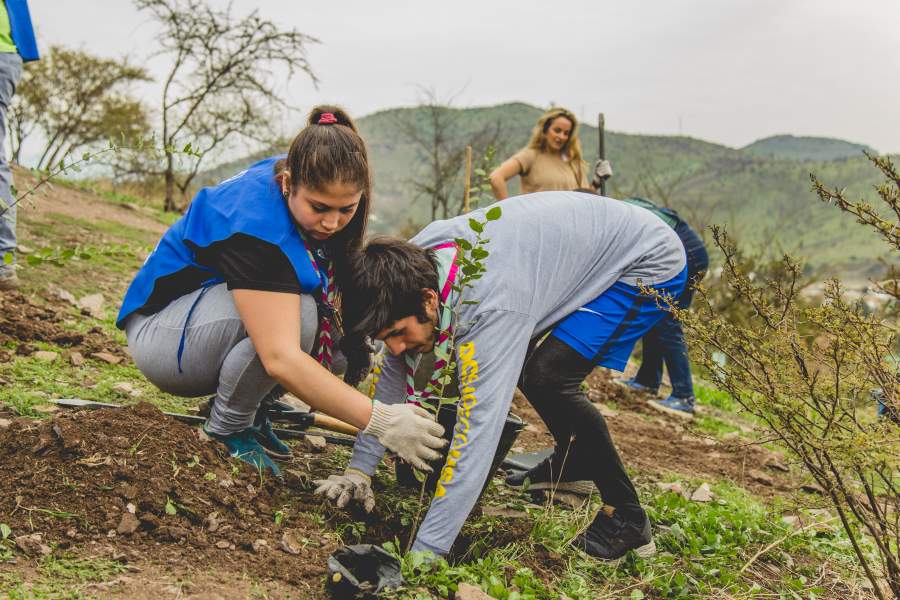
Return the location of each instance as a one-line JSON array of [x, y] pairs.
[[24, 320]]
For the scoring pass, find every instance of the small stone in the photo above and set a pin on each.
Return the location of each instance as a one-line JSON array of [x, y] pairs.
[[212, 522], [5, 356], [77, 359], [107, 357], [62, 294], [703, 494], [776, 464], [223, 545], [675, 487], [812, 488], [760, 477], [72, 533], [316, 443], [291, 541], [123, 387], [131, 508], [111, 533], [23, 249], [4, 423], [260, 546], [129, 523], [32, 545], [93, 304], [792, 521], [468, 591], [226, 483], [45, 355]]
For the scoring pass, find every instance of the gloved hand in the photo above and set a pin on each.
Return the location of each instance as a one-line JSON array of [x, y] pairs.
[[352, 485], [602, 172], [407, 430]]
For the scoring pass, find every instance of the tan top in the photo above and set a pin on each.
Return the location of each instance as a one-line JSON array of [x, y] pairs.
[[547, 172]]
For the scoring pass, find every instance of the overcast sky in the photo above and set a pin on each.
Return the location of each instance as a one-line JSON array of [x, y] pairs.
[[729, 71]]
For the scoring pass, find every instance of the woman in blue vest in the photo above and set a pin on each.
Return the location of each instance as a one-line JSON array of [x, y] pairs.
[[238, 298]]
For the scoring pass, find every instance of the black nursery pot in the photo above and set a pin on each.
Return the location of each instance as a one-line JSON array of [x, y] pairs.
[[447, 418]]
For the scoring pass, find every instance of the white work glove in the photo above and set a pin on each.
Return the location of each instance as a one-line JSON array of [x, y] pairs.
[[602, 172], [407, 430], [352, 485]]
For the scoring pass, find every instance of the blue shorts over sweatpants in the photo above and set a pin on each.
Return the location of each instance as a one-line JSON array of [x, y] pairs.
[[606, 329]]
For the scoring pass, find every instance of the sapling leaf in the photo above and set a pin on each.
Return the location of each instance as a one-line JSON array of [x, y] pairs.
[[463, 243], [170, 507], [480, 253], [5, 531], [476, 226], [493, 214]]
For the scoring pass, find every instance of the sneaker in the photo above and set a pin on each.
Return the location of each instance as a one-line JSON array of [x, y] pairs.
[[243, 445], [633, 385], [679, 407], [554, 473], [9, 281], [611, 536], [265, 435]]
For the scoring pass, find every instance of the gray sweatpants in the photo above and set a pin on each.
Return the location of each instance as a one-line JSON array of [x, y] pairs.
[[218, 356]]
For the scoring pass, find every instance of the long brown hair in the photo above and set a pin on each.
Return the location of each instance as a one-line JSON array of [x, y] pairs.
[[331, 151], [572, 148]]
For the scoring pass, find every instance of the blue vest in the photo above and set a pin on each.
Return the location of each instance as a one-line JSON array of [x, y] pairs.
[[250, 203], [21, 31]]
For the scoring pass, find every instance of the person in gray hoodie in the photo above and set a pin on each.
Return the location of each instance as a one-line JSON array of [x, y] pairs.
[[567, 263]]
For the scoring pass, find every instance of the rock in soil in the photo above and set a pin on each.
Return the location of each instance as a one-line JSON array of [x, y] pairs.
[[77, 359], [316, 443], [46, 356], [291, 542], [93, 305], [32, 545], [760, 477], [107, 357], [467, 591], [703, 494], [128, 524]]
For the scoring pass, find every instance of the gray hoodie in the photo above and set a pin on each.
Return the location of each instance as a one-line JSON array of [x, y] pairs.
[[550, 254]]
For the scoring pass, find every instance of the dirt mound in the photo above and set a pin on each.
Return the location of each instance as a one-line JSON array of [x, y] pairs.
[[22, 321], [147, 487]]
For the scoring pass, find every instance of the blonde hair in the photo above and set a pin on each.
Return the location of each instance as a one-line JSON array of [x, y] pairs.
[[572, 148]]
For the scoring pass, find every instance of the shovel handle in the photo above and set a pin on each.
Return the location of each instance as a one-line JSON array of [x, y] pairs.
[[331, 424]]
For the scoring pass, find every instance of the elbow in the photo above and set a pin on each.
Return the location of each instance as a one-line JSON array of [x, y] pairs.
[[276, 364]]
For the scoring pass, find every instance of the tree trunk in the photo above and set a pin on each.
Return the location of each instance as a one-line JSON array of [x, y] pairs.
[[169, 205]]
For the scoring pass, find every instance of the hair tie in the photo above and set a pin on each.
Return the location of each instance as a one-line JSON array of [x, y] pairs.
[[327, 119]]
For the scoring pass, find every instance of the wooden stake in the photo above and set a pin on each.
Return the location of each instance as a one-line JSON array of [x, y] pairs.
[[601, 146], [468, 179]]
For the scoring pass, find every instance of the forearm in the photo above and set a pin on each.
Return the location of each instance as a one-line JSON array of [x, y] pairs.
[[498, 185], [303, 376]]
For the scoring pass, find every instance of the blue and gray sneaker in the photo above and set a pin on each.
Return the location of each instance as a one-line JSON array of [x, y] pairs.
[[265, 435], [635, 386], [243, 445], [679, 407]]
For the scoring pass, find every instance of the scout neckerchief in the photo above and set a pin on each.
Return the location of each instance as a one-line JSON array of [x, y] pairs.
[[446, 268], [322, 348]]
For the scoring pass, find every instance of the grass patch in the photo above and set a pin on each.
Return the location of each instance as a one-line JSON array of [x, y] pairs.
[[59, 578]]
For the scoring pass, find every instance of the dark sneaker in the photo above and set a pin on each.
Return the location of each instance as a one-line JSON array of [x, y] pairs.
[[554, 473], [243, 445], [679, 407], [265, 435], [610, 536], [633, 385]]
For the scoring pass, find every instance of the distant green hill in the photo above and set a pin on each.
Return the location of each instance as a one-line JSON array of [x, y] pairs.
[[761, 192], [804, 148]]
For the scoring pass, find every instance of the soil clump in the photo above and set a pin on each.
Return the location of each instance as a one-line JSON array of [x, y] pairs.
[[146, 487]]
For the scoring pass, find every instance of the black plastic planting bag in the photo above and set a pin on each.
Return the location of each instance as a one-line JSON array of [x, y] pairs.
[[362, 571]]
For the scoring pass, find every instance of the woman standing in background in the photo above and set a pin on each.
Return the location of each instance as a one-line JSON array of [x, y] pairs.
[[552, 160]]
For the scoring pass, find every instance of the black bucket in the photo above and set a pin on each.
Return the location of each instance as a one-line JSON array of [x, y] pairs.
[[447, 418], [362, 571]]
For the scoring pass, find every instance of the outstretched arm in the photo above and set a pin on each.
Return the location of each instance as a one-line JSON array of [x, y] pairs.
[[499, 176]]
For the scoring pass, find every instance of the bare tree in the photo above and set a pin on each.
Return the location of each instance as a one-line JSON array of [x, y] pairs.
[[76, 100], [436, 132], [220, 82]]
